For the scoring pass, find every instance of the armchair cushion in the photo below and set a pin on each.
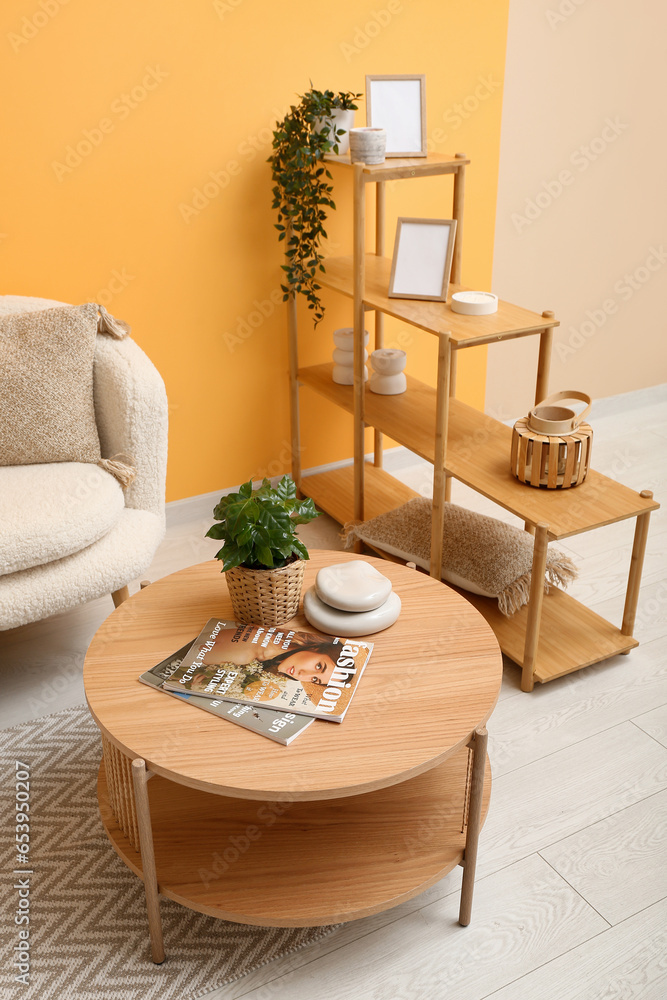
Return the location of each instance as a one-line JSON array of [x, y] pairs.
[[53, 510], [123, 554], [46, 385]]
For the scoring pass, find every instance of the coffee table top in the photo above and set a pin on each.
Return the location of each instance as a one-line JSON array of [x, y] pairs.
[[432, 679]]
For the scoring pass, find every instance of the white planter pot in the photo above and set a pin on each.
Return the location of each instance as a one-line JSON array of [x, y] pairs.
[[342, 119]]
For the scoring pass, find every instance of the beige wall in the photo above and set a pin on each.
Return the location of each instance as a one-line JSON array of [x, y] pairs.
[[582, 204]]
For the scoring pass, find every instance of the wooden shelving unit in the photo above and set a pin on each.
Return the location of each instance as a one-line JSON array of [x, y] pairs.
[[554, 634]]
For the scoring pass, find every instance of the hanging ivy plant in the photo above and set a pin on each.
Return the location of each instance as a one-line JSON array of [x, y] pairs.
[[302, 192]]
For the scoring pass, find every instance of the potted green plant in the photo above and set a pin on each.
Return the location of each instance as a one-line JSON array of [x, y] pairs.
[[301, 191], [262, 556]]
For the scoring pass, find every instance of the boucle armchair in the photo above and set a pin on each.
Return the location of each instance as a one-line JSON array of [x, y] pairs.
[[69, 532]]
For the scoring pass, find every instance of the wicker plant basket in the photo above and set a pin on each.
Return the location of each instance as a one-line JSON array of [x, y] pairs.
[[551, 447], [266, 596]]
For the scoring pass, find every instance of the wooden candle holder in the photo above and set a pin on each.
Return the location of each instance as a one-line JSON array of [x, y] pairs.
[[550, 460]]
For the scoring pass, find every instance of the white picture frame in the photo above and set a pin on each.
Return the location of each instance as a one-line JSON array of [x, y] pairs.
[[398, 105], [422, 261]]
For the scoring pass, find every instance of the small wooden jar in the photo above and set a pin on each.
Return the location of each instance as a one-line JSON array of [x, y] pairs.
[[551, 447]]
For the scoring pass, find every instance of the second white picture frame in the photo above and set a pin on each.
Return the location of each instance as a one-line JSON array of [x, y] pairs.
[[422, 260], [398, 105]]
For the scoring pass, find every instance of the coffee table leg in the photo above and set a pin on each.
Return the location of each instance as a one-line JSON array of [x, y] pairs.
[[140, 778], [478, 744]]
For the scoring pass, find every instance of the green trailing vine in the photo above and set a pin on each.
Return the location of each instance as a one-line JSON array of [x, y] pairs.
[[302, 192]]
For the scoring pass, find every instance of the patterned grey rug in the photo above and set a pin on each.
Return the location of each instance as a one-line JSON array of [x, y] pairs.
[[88, 934]]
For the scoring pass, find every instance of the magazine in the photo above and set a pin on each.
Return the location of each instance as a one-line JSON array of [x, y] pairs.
[[283, 727], [297, 672]]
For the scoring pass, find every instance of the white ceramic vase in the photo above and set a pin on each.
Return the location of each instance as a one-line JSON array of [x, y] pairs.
[[388, 378]]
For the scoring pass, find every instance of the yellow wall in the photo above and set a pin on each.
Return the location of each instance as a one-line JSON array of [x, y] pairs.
[[134, 174]]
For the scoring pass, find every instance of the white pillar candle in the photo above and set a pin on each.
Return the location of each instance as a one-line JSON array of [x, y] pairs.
[[346, 357], [368, 145], [343, 356], [388, 378], [344, 338]]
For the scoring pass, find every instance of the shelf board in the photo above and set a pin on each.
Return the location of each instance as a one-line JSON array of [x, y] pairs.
[[364, 861], [434, 317], [478, 454], [332, 492], [571, 635], [408, 418], [396, 168]]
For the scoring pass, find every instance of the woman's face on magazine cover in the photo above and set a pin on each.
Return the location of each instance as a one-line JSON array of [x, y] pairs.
[[307, 665]]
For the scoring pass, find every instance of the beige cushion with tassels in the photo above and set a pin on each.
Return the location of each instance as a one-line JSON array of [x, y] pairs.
[[47, 411], [479, 553]]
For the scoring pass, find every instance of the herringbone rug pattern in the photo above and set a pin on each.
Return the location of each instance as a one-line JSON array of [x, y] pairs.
[[88, 930]]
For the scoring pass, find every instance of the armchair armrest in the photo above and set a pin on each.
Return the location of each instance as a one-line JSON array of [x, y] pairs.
[[131, 415]]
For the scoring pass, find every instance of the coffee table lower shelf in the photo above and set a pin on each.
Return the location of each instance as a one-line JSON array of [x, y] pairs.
[[302, 863]]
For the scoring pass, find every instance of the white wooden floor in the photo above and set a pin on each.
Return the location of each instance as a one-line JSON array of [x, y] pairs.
[[571, 895]]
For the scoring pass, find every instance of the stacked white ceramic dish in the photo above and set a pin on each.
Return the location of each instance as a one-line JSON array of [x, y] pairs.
[[351, 598]]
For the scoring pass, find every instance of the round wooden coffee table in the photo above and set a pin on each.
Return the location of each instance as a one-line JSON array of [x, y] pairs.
[[349, 819]]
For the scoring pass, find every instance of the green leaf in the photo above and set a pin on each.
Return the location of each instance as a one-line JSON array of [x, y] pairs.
[[300, 548], [286, 488], [232, 557], [285, 546], [305, 512], [273, 518], [239, 513], [216, 531], [245, 536], [264, 555]]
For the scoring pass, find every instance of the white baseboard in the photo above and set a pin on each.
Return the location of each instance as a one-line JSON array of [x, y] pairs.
[[201, 507], [193, 508]]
